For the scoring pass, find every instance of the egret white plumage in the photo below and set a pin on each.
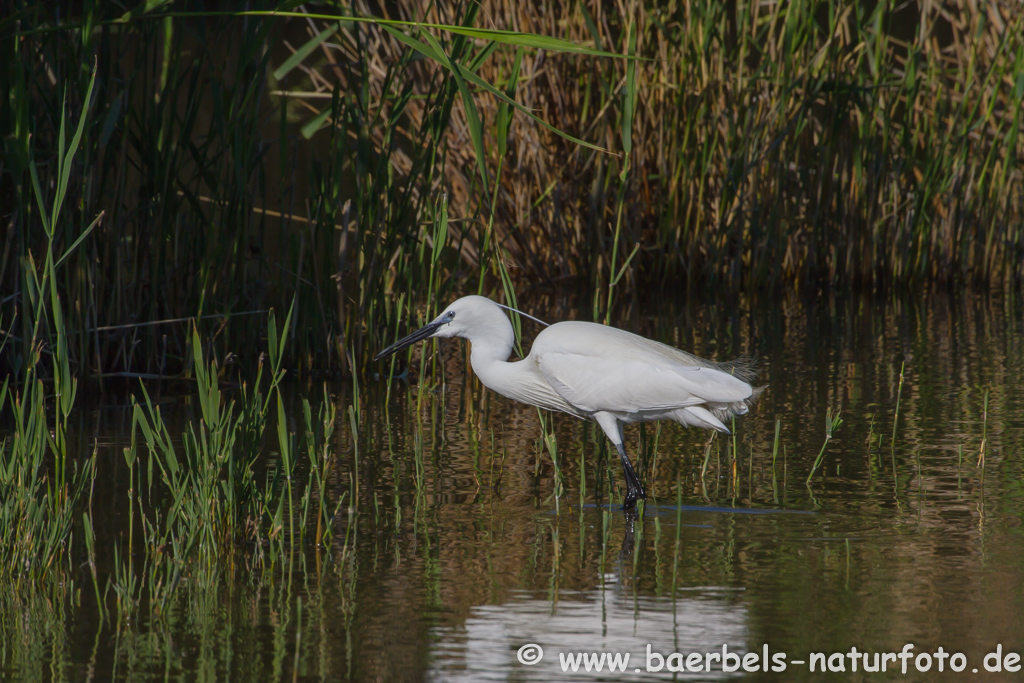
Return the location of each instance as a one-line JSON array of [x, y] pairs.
[[595, 372]]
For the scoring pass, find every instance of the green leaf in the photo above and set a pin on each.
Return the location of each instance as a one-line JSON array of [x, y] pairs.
[[441, 234], [283, 442], [629, 96], [622, 270], [38, 191], [525, 40], [69, 155], [591, 26], [472, 115], [206, 381], [142, 9], [74, 245], [288, 320], [272, 337], [310, 128], [481, 57], [276, 339], [510, 298], [504, 116], [303, 52], [476, 80], [502, 36]]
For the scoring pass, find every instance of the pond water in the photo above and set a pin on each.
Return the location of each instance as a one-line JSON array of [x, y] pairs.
[[458, 559]]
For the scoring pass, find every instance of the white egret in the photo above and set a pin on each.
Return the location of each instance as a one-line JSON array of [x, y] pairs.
[[595, 372]]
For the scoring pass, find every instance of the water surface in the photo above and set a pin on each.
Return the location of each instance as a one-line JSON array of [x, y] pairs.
[[458, 552]]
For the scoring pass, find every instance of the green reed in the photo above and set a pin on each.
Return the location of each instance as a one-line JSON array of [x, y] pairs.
[[679, 530], [735, 128], [775, 454], [896, 416], [707, 456], [832, 422], [42, 486], [322, 461], [984, 438], [774, 446], [209, 499]]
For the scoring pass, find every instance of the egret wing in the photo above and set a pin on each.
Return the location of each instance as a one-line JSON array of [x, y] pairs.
[[599, 368]]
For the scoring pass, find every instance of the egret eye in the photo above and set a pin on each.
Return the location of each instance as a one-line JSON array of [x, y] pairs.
[[450, 315]]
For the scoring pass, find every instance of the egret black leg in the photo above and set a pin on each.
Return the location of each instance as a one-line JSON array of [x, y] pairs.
[[634, 489]]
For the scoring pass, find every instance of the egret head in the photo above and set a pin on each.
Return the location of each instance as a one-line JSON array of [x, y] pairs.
[[475, 318]]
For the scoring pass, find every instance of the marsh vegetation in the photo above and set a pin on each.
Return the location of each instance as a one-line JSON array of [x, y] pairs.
[[213, 220]]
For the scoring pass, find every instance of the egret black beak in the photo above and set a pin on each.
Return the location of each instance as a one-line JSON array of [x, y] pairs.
[[418, 335]]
